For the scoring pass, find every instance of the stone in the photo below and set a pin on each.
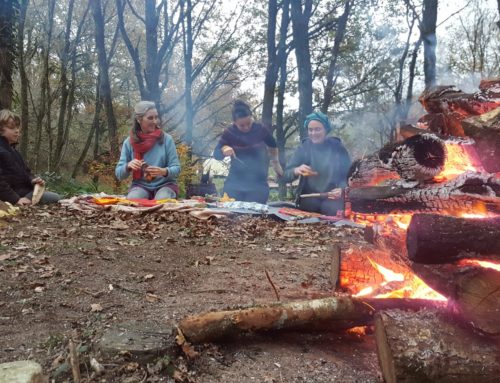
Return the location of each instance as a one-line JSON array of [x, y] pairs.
[[143, 341], [23, 371]]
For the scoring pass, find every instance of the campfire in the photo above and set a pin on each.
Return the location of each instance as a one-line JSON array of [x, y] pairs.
[[428, 275], [431, 205]]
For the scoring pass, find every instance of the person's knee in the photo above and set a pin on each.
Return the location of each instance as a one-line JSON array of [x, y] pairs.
[[165, 193], [50, 197], [138, 193]]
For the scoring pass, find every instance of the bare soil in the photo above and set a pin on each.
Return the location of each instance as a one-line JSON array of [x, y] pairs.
[[65, 274]]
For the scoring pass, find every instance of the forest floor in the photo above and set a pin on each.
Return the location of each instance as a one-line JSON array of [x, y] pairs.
[[66, 275]]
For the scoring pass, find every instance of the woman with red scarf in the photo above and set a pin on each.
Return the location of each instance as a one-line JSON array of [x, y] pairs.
[[149, 154]]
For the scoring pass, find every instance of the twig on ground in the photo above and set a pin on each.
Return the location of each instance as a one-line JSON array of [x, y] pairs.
[[272, 284]]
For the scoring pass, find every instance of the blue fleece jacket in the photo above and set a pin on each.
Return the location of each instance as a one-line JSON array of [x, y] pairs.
[[162, 154]]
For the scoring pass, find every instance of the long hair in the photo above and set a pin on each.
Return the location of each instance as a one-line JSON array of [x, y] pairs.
[[140, 109]]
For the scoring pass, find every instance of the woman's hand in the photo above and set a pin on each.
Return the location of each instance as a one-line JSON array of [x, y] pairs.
[[227, 151], [38, 181], [135, 165], [23, 201], [155, 171], [304, 170], [335, 193]]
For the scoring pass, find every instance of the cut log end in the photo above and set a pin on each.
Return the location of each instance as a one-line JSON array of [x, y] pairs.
[[428, 347]]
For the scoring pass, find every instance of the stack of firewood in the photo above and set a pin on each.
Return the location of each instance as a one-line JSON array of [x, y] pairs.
[[402, 175]]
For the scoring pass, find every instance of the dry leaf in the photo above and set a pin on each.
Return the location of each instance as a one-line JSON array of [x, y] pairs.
[[148, 277], [95, 308], [39, 289], [152, 298], [4, 257]]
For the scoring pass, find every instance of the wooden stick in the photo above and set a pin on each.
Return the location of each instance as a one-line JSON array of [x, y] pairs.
[[73, 360], [273, 286]]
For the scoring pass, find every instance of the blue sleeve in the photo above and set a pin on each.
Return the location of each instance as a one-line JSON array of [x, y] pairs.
[[218, 151], [126, 156], [173, 166]]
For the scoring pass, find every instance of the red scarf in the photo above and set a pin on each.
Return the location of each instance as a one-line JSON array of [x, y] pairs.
[[147, 141]]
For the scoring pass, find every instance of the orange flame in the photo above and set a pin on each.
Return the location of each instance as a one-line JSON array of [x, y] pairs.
[[459, 159], [477, 262], [414, 287]]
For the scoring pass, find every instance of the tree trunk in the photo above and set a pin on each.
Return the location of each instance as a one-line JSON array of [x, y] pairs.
[[427, 347], [428, 36], [339, 37], [8, 17], [300, 30], [436, 238], [24, 81], [272, 65], [188, 71], [105, 90], [44, 86], [153, 63]]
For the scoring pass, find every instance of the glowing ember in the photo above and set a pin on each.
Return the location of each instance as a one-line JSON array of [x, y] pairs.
[[389, 275], [459, 159], [477, 262]]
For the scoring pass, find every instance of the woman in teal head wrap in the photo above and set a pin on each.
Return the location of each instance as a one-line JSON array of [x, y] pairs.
[[322, 164]]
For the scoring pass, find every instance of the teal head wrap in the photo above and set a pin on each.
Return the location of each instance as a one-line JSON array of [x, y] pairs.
[[321, 117]]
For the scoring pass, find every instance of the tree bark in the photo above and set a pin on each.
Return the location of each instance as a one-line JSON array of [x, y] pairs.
[[436, 238], [315, 315], [473, 291], [300, 29], [8, 52], [105, 89], [23, 80], [188, 70], [427, 347], [428, 36], [339, 37]]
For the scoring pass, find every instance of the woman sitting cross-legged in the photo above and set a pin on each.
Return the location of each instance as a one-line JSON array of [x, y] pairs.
[[322, 163], [149, 154], [16, 181]]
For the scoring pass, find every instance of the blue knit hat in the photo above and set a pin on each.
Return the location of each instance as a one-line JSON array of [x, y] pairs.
[[321, 117]]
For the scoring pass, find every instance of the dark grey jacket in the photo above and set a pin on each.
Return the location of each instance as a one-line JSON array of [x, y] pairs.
[[338, 158], [15, 176]]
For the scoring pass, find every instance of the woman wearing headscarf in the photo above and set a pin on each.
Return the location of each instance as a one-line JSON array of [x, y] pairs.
[[322, 163], [251, 146], [149, 154]]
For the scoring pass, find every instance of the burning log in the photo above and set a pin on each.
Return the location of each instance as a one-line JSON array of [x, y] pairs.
[[420, 157], [485, 130], [448, 106], [335, 313], [461, 193], [427, 347], [474, 290], [358, 268], [433, 238]]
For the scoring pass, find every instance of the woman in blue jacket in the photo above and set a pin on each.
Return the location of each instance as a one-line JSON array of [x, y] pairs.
[[149, 154]]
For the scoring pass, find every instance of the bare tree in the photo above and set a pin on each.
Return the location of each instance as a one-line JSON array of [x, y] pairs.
[[8, 16], [300, 28], [428, 36], [105, 88], [23, 80]]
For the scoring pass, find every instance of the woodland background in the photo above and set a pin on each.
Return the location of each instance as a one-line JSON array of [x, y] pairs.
[[74, 70]]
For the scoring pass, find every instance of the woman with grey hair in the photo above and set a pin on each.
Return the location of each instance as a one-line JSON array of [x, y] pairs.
[[149, 154]]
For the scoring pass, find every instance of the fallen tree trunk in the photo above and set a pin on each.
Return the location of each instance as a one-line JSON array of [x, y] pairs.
[[328, 314], [473, 290], [426, 347], [433, 238]]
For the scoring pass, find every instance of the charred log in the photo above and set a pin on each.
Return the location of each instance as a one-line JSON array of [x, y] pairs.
[[436, 238], [420, 157], [474, 291], [428, 347], [485, 130]]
